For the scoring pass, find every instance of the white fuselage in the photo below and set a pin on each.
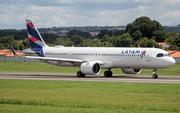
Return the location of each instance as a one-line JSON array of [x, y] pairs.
[[137, 58]]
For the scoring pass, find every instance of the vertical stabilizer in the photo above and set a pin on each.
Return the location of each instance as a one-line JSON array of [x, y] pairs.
[[35, 40]]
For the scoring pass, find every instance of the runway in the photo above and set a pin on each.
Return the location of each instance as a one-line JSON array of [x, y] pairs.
[[90, 78]]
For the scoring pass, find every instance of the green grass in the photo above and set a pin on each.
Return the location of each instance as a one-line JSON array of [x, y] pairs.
[[47, 68], [66, 96]]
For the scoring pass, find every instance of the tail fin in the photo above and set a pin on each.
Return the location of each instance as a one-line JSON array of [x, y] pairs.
[[35, 40], [138, 45]]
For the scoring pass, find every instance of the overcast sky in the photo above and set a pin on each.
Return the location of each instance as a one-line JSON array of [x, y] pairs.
[[65, 13]]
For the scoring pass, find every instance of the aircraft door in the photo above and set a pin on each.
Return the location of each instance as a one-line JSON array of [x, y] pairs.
[[71, 55], [148, 56]]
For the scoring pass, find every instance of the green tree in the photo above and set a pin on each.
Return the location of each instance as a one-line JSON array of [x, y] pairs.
[[170, 40], [49, 38], [126, 40], [64, 42], [87, 43], [2, 46], [118, 41], [114, 40], [21, 46], [17, 35], [142, 42], [137, 35], [24, 44], [119, 32], [177, 39], [15, 44], [77, 39], [145, 26], [68, 42], [9, 40], [173, 48], [96, 42], [60, 41], [107, 44], [159, 35], [102, 33], [110, 33], [152, 43], [105, 38], [145, 42]]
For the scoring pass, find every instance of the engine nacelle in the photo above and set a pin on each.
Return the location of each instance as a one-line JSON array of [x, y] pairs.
[[131, 71], [90, 68]]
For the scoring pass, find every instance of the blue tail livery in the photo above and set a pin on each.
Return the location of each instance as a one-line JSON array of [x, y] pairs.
[[35, 40]]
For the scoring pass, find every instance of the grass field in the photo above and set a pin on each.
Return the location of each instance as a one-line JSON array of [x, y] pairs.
[[47, 68], [21, 96], [64, 96]]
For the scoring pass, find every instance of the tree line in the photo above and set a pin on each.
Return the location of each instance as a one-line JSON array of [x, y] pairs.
[[142, 31]]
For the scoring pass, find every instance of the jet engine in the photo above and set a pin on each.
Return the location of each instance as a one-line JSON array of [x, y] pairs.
[[90, 68], [131, 71]]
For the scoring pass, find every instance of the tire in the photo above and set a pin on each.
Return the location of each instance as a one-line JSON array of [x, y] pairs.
[[155, 76], [80, 74], [106, 73], [110, 74]]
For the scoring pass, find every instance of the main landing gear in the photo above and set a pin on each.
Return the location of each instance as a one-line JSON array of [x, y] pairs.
[[80, 74], [154, 73], [108, 73]]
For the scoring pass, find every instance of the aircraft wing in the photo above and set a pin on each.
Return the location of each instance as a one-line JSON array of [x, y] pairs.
[[56, 59], [64, 59]]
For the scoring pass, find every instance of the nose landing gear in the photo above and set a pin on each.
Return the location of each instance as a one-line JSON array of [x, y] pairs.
[[154, 76]]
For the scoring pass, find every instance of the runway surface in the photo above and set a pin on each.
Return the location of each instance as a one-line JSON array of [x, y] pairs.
[[90, 78]]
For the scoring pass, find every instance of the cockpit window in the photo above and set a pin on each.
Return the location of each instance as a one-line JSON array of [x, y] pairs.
[[162, 55], [167, 55]]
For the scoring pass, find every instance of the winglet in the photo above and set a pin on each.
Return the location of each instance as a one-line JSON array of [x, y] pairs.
[[12, 49]]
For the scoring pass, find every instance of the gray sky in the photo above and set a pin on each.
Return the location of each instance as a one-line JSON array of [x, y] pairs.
[[65, 13]]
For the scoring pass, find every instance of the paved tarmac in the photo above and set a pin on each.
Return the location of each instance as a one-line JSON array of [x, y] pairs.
[[90, 78]]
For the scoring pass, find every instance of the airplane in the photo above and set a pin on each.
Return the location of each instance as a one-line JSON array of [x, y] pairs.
[[91, 60]]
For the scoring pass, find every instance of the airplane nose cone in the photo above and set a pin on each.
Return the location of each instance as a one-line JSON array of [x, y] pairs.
[[171, 62]]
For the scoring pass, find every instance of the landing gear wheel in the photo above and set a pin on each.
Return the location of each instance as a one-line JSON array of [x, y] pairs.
[[108, 73], [80, 74], [154, 74]]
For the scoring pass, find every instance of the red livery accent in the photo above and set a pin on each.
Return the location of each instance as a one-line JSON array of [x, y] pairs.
[[30, 24], [33, 39], [138, 45]]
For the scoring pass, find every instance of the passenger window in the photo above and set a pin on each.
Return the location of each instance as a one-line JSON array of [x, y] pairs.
[[160, 55]]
